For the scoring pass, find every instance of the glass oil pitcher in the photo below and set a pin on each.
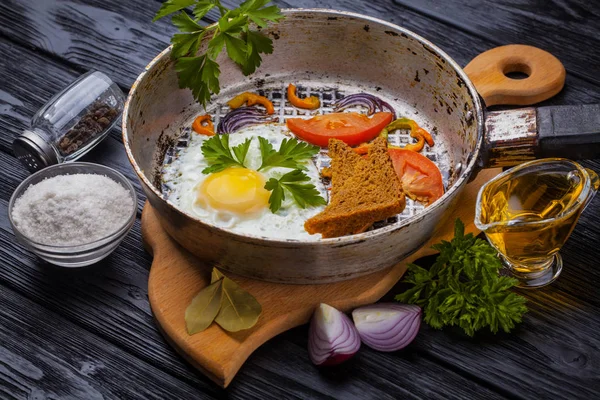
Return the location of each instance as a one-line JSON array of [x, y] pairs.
[[528, 213]]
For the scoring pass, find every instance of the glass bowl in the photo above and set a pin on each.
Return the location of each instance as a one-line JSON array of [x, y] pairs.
[[83, 254]]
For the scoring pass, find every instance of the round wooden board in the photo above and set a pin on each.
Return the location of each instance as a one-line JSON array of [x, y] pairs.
[[176, 277]]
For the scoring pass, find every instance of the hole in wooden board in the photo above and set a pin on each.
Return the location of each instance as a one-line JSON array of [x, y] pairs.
[[517, 75], [517, 71]]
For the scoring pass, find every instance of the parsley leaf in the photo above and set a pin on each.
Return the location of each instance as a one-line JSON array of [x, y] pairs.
[[217, 152], [171, 6], [303, 193], [291, 154], [202, 8], [200, 72], [463, 287]]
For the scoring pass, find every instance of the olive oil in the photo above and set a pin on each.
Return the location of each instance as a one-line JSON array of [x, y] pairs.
[[530, 215]]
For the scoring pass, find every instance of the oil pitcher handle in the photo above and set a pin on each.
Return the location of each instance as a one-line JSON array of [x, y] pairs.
[[488, 72], [595, 183]]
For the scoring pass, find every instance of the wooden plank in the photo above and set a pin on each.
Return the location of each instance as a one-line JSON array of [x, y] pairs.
[[460, 45], [42, 355], [566, 28], [116, 37]]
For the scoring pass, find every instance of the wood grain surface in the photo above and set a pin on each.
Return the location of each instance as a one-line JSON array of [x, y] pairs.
[[45, 44], [544, 75]]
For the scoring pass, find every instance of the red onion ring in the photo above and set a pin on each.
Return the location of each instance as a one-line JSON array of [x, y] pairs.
[[236, 119], [387, 326], [372, 103]]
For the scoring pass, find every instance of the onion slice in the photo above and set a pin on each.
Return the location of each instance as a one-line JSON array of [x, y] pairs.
[[236, 119], [372, 103], [387, 326], [332, 337]]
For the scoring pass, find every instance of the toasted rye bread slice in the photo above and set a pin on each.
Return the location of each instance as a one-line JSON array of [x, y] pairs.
[[364, 190]]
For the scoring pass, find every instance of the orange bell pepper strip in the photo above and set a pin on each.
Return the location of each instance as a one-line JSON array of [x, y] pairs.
[[199, 127], [402, 123], [251, 99], [309, 103]]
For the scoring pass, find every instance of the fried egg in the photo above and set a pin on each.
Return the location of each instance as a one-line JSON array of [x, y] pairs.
[[235, 198]]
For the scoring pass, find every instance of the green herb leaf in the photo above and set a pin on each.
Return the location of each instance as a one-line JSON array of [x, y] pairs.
[[303, 193], [258, 13], [236, 48], [203, 7], [218, 154], [210, 75], [185, 44], [171, 6], [204, 308], [463, 287], [241, 150], [256, 43], [291, 154], [233, 25], [185, 24], [190, 70], [200, 73], [239, 309], [277, 195]]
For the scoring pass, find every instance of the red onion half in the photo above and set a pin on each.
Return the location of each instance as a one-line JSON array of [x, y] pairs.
[[332, 337], [236, 119], [387, 326], [372, 103]]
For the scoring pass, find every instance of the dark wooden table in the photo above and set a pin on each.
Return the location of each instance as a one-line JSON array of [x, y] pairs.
[[89, 333]]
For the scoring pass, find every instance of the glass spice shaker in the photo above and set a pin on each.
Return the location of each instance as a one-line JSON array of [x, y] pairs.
[[71, 123]]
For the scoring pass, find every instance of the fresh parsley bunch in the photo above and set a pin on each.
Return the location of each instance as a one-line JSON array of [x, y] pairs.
[[463, 287], [292, 154], [244, 45]]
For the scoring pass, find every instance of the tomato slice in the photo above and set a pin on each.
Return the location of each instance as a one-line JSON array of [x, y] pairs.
[[421, 178], [352, 128]]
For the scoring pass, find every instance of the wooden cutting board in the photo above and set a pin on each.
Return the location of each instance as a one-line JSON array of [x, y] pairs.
[[176, 277]]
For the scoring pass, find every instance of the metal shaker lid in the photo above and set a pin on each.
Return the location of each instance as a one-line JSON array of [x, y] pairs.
[[33, 152]]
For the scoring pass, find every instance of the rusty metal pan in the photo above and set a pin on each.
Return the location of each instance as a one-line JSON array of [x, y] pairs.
[[329, 54]]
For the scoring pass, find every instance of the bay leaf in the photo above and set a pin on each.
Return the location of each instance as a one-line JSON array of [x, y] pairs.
[[216, 275], [204, 308], [239, 309]]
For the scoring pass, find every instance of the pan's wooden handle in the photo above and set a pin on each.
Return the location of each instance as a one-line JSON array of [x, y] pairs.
[[487, 71]]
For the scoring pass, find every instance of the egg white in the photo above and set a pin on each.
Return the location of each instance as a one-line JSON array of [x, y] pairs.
[[184, 176]]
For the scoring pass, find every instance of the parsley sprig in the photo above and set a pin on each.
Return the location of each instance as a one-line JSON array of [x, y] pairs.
[[303, 193], [292, 154], [463, 287], [200, 72], [217, 152]]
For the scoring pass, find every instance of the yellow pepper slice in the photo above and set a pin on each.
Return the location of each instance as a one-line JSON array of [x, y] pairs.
[[309, 103], [251, 99]]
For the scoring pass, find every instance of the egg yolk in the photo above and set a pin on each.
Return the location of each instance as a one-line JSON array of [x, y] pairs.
[[238, 190]]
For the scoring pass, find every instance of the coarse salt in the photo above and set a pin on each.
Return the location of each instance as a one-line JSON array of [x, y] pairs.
[[71, 210]]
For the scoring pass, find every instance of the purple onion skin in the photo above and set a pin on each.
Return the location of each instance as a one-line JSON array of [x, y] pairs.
[[371, 102], [236, 119], [332, 338], [387, 326]]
